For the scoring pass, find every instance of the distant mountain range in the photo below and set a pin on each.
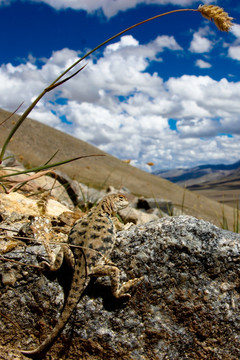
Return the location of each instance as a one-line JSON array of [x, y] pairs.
[[218, 182], [198, 174]]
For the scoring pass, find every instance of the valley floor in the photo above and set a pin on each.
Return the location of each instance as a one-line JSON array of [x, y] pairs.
[[224, 191]]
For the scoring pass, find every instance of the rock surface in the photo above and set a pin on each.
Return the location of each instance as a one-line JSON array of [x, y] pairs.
[[160, 204], [187, 306], [21, 204], [136, 217], [57, 188], [33, 185]]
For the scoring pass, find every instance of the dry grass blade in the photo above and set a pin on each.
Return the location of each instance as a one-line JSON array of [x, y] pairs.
[[16, 325], [52, 157], [19, 262], [44, 167], [32, 177], [221, 18], [9, 117], [39, 171], [51, 87]]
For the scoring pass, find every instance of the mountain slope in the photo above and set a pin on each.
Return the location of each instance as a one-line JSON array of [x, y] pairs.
[[217, 182], [225, 189], [35, 143], [198, 174]]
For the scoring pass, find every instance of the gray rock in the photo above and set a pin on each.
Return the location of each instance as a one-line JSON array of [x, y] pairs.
[[162, 205], [131, 215], [187, 307], [72, 187], [10, 160], [89, 196]]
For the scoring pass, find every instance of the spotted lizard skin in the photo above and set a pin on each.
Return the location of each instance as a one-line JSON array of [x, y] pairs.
[[93, 238]]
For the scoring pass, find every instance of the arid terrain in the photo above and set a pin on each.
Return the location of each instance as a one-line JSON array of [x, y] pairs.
[[225, 190], [218, 182], [35, 143]]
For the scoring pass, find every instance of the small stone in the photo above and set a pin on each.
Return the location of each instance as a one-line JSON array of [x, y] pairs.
[[9, 278]]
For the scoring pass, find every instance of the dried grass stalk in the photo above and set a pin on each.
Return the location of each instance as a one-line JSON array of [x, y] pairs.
[[221, 18]]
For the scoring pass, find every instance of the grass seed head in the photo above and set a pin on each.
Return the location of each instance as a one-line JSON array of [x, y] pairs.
[[221, 19]]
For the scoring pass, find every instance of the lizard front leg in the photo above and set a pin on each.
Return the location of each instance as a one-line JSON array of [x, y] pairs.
[[114, 273], [120, 226]]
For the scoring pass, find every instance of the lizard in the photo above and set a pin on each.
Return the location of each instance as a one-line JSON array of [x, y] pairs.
[[92, 239]]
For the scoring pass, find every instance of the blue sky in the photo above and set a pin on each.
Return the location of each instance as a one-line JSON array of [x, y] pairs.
[[167, 92]]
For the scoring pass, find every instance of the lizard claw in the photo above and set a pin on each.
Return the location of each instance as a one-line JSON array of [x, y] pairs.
[[122, 292]]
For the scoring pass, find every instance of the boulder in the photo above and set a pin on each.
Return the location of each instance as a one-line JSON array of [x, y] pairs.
[[165, 206], [187, 306], [21, 204], [135, 216], [36, 185], [10, 160]]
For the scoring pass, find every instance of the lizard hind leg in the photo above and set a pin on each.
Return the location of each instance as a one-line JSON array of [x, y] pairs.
[[113, 272], [56, 261]]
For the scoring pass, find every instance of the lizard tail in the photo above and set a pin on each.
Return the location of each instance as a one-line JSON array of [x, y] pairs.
[[78, 282]]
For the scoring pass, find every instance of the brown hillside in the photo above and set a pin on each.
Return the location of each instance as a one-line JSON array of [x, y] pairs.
[[225, 189], [35, 143]]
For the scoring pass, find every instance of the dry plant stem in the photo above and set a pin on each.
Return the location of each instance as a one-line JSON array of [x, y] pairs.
[[19, 262], [32, 177], [39, 171], [51, 87], [11, 114], [51, 157], [39, 168], [53, 84], [8, 319]]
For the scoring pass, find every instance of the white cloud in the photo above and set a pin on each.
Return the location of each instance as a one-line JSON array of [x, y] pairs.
[[199, 43], [110, 7], [199, 127], [120, 71], [236, 30], [137, 126], [234, 48], [216, 98], [203, 64], [234, 52], [167, 42]]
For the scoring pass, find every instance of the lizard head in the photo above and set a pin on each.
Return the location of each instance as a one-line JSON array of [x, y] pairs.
[[114, 202], [119, 202]]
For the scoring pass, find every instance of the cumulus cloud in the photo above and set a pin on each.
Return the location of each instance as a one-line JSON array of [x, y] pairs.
[[203, 64], [234, 49], [110, 8], [200, 43], [23, 82], [215, 99], [236, 30], [115, 104], [234, 52]]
